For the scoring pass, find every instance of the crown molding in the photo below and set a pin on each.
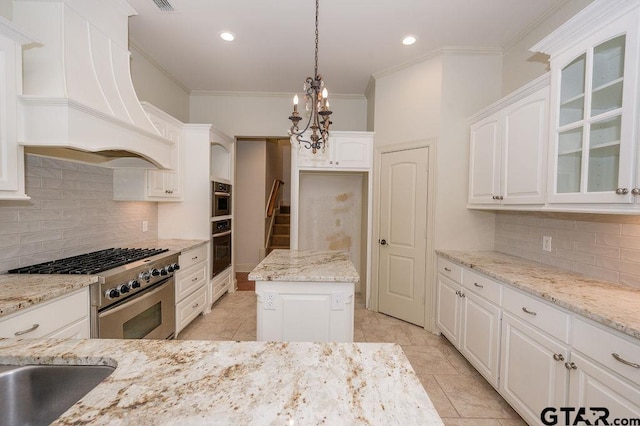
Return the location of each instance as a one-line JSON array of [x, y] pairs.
[[533, 25], [268, 94]]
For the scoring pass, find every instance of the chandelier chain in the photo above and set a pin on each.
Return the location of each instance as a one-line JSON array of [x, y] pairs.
[[315, 73]]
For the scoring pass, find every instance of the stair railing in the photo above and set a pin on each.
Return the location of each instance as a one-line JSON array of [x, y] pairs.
[[271, 206]]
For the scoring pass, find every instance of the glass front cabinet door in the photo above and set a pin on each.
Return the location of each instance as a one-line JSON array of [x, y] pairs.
[[593, 141]]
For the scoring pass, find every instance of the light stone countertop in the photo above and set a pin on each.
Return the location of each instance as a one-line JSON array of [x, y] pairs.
[[306, 266], [20, 291], [614, 305], [244, 383]]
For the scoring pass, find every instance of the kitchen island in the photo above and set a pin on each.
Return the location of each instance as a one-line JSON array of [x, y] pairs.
[[305, 295], [195, 382]]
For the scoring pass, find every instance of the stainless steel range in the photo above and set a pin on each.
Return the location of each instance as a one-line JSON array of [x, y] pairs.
[[135, 294]]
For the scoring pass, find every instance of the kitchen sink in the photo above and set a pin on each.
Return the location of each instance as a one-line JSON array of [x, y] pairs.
[[38, 394]]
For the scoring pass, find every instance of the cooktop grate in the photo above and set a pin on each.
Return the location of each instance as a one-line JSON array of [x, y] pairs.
[[90, 263]]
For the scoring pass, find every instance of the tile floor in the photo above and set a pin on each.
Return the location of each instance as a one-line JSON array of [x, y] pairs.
[[458, 391]]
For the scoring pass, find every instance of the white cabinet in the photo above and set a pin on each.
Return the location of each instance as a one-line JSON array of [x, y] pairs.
[[594, 105], [508, 148], [220, 284], [604, 370], [64, 317], [11, 154], [343, 151], [467, 318], [141, 184], [532, 371], [191, 285]]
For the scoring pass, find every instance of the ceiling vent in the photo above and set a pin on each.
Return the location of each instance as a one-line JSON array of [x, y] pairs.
[[164, 5]]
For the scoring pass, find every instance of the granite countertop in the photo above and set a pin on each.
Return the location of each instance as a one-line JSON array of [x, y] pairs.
[[611, 304], [306, 265], [197, 382], [20, 291]]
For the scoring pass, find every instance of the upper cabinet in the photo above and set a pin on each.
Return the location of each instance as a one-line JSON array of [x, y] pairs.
[[508, 149], [344, 150], [11, 154], [594, 105]]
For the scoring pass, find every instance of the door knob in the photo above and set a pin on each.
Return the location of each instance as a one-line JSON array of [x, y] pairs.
[[383, 242]]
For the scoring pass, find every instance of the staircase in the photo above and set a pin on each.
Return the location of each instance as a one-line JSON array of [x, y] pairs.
[[281, 230]]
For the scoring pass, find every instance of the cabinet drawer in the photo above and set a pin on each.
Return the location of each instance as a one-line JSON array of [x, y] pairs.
[[601, 345], [47, 318], [483, 286], [190, 307], [536, 312], [187, 280], [193, 256], [450, 269]]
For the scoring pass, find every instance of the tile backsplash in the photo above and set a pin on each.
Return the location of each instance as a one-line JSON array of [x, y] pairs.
[[71, 212], [606, 247]]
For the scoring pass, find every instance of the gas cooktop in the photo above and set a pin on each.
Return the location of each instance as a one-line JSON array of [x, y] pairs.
[[90, 263]]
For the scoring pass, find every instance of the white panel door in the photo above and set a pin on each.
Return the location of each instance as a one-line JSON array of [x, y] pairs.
[[403, 242], [484, 166], [524, 149]]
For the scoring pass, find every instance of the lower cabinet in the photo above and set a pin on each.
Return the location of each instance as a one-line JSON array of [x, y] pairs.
[[532, 371], [191, 286], [469, 321], [64, 317], [220, 284], [549, 358]]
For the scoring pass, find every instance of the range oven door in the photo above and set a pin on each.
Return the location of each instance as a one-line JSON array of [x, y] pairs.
[[220, 252], [149, 315]]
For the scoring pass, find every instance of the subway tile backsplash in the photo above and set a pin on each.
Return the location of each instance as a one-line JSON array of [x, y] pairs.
[[71, 212], [600, 246]]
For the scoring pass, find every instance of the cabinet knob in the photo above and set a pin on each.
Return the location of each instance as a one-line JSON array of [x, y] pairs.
[[635, 191], [558, 357], [622, 191], [570, 366], [337, 162], [331, 162]]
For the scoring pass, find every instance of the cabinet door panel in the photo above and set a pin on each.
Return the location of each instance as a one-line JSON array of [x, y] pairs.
[[480, 336], [448, 309], [593, 386], [524, 153], [484, 167], [352, 152], [530, 378]]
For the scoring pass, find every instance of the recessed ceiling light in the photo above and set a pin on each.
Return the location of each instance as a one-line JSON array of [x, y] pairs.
[[227, 36], [409, 40]]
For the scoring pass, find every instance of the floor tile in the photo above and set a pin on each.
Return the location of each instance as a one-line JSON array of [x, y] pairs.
[[437, 396], [460, 421]]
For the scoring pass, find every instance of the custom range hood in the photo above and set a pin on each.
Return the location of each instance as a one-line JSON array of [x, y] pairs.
[[77, 88]]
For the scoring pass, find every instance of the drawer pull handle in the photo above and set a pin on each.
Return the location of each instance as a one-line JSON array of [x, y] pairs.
[[447, 269], [526, 311], [624, 361], [194, 279], [558, 357], [478, 285], [29, 330], [194, 258], [570, 366], [196, 305]]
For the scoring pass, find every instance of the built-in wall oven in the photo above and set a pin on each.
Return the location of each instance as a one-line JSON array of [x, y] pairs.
[[221, 199], [220, 246]]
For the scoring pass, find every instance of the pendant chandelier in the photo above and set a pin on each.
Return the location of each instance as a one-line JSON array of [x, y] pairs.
[[317, 106]]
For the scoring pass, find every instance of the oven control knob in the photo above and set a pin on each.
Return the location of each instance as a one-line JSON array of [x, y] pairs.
[[176, 266], [154, 272], [124, 288], [170, 268], [134, 284], [144, 276], [112, 293], [164, 271]]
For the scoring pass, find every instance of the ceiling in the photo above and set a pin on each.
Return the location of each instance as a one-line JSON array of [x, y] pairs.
[[274, 48]]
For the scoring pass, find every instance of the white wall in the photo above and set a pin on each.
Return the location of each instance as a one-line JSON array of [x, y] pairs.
[[521, 66], [267, 115], [248, 212], [154, 85]]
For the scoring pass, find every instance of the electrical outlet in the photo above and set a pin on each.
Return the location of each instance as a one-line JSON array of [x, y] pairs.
[[145, 225], [546, 243], [269, 300], [337, 301]]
